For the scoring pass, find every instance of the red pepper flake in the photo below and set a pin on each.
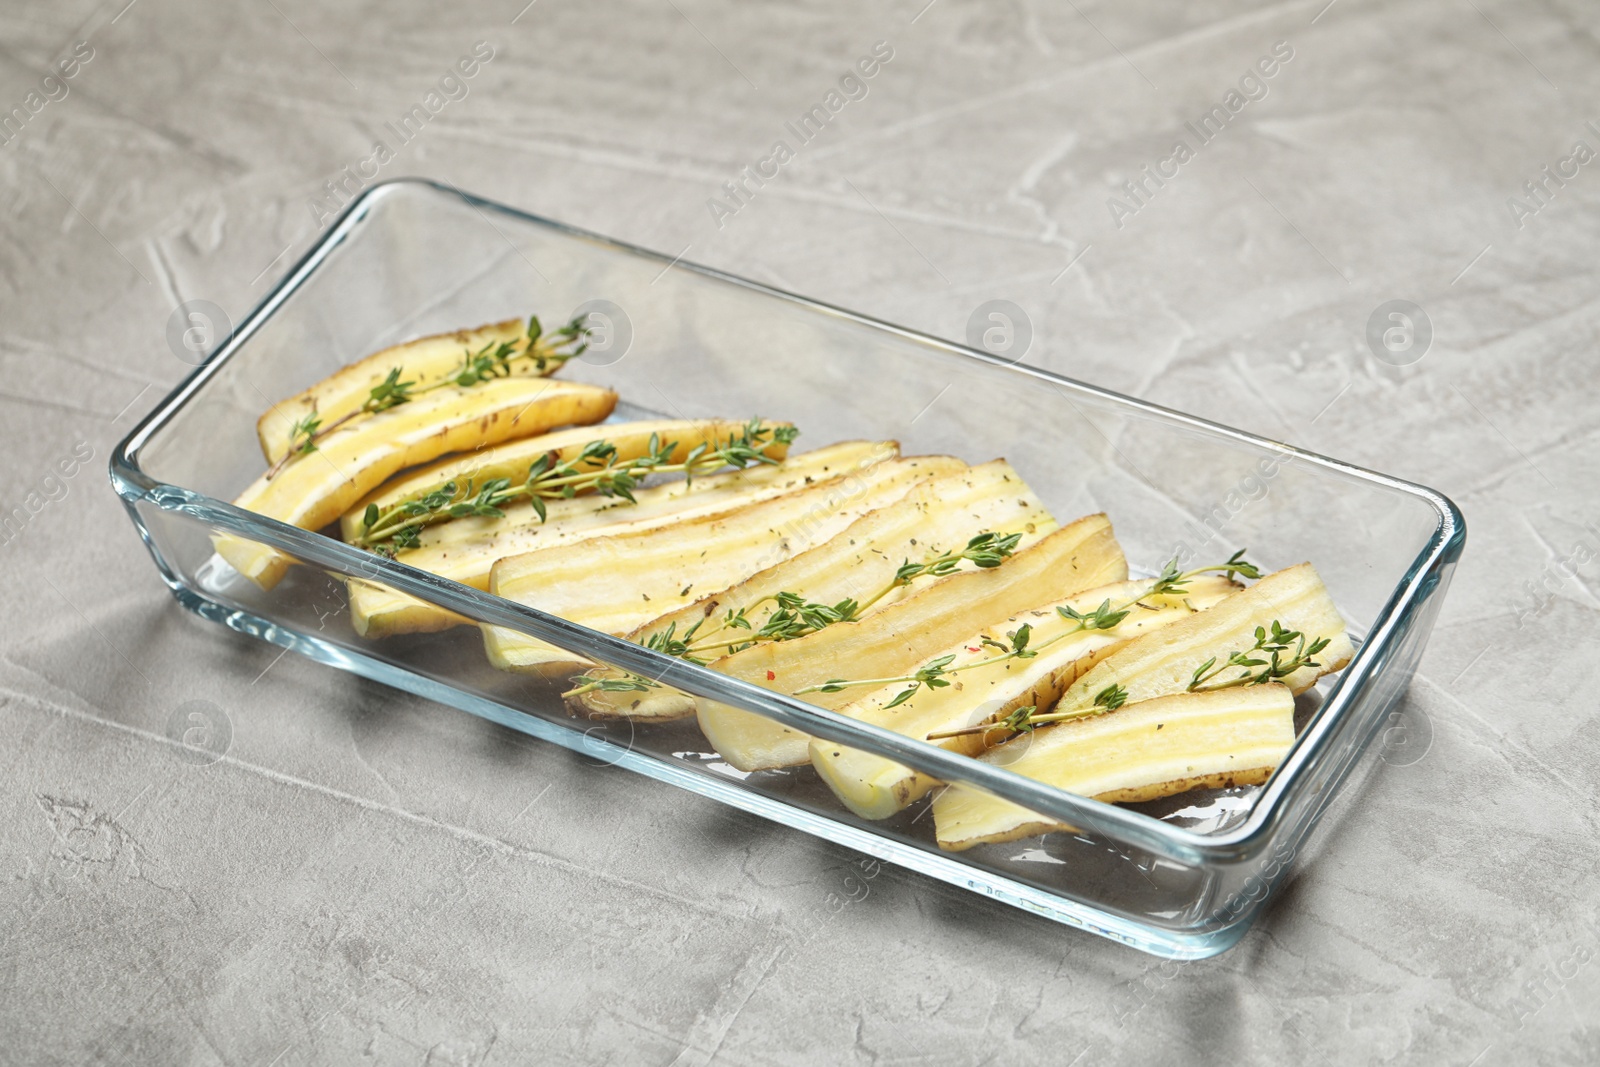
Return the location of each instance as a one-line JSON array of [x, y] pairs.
[[771, 676]]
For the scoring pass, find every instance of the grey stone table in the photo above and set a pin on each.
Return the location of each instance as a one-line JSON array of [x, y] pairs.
[[365, 876]]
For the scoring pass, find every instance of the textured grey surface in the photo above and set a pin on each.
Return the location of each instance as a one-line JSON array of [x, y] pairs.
[[365, 876]]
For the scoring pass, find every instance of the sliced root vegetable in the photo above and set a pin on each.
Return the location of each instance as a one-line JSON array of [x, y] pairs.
[[898, 639], [425, 361], [1143, 751], [466, 549], [860, 564], [986, 684], [616, 583], [315, 489], [514, 459], [1165, 662]]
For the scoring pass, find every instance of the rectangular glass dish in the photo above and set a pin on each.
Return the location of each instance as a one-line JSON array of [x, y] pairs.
[[1182, 878]]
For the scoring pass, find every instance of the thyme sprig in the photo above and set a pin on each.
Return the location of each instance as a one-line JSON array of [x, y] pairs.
[[628, 683], [491, 361], [796, 616], [1172, 581], [1274, 644], [302, 438], [596, 467], [1026, 719], [666, 641]]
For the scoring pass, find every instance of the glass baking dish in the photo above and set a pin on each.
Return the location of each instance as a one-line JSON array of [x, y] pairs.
[[1182, 878]]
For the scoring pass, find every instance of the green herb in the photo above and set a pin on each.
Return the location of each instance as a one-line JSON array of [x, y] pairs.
[[931, 675], [1019, 721], [491, 361], [1237, 564], [666, 641], [1111, 697], [1027, 719], [1170, 582], [392, 392], [303, 435], [628, 683], [1102, 618], [595, 468], [1273, 644], [796, 616], [985, 550]]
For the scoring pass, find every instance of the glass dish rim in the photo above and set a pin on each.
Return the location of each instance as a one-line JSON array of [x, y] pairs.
[[1270, 808]]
